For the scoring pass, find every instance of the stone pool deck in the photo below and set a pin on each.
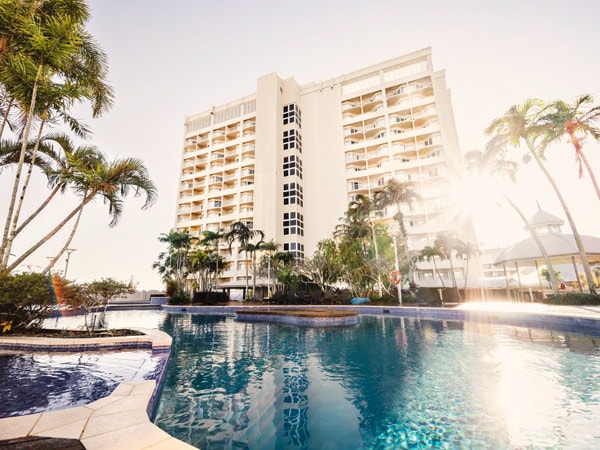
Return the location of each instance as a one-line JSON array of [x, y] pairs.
[[118, 421], [114, 422]]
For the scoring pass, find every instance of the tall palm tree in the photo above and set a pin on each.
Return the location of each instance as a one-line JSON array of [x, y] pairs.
[[430, 253], [524, 123], [466, 251], [213, 238], [110, 181], [576, 121], [253, 249], [269, 247], [447, 244], [240, 232], [396, 193], [49, 44], [360, 213], [179, 243], [493, 164]]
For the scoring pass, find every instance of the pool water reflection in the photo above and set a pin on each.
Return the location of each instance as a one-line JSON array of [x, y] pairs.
[[387, 383]]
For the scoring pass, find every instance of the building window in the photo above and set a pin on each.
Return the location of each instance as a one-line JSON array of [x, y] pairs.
[[291, 114], [292, 139], [296, 248], [293, 223], [292, 165], [292, 194]]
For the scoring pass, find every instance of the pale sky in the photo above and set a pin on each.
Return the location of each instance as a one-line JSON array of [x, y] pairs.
[[176, 58]]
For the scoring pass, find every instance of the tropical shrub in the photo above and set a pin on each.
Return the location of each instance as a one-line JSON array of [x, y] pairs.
[[93, 298], [26, 299], [574, 298]]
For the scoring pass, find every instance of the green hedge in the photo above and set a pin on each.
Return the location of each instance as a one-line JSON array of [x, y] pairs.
[[574, 298], [26, 299]]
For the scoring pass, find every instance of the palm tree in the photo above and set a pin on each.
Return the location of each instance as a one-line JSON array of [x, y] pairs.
[[576, 121], [466, 250], [359, 213], [252, 249], [447, 244], [493, 164], [269, 247], [179, 243], [111, 181], [396, 193], [430, 253], [210, 238], [48, 43], [524, 123], [240, 232]]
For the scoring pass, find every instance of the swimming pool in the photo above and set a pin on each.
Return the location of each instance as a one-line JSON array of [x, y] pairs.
[[389, 382]]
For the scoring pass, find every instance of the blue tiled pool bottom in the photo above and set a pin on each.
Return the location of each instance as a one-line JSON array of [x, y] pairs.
[[39, 382]]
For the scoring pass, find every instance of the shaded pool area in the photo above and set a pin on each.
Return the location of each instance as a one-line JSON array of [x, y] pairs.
[[50, 381]]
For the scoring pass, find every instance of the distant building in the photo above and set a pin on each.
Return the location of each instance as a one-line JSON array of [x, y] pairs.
[[289, 158]]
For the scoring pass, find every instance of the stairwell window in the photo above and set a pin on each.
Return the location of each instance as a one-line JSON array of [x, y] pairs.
[[291, 114], [293, 194], [292, 165], [293, 223]]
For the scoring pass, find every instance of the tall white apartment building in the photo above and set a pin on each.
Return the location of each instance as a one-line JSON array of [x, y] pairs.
[[289, 158]]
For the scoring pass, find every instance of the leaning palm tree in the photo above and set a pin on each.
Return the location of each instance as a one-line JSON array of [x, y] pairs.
[[48, 44], [576, 122], [493, 164], [110, 181], [240, 232], [524, 123]]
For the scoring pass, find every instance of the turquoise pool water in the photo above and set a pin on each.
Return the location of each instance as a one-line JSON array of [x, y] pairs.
[[388, 383]]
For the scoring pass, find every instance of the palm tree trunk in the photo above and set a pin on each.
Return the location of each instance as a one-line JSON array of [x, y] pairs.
[[246, 265], [34, 214], [254, 275], [586, 163], [576, 236], [438, 272], [379, 284], [51, 234], [66, 245], [17, 212], [5, 248], [5, 117], [455, 285]]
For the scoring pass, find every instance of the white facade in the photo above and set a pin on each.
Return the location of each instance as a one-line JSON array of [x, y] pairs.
[[288, 158]]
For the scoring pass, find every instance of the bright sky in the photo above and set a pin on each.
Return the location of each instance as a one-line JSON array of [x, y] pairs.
[[172, 59]]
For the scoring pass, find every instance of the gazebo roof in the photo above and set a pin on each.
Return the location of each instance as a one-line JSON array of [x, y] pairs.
[[542, 217], [558, 246]]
